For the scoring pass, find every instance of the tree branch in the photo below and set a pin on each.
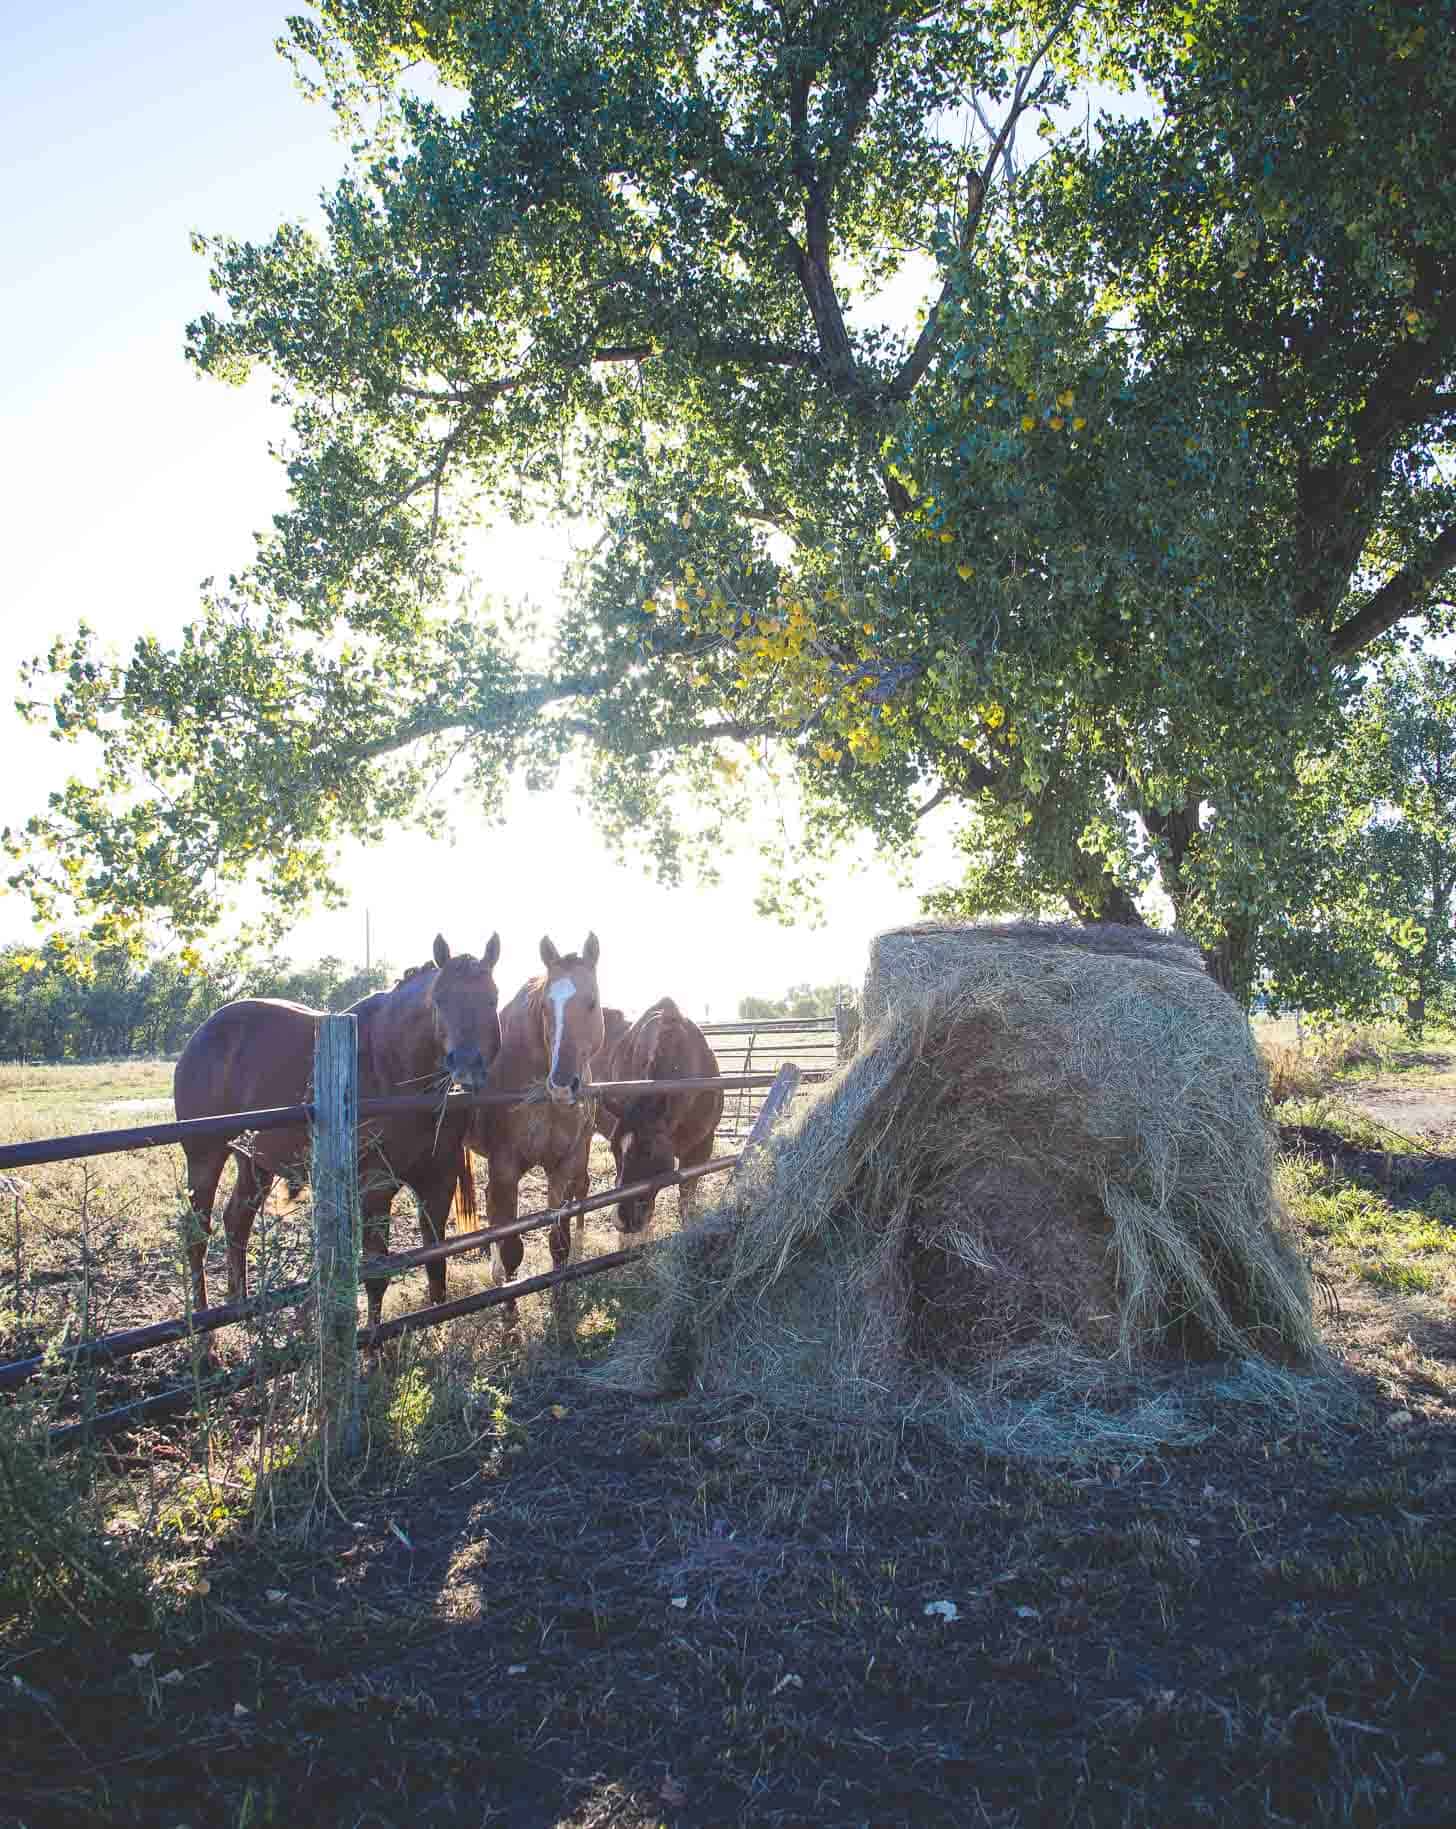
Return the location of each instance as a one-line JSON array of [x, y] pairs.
[[1397, 597], [978, 189]]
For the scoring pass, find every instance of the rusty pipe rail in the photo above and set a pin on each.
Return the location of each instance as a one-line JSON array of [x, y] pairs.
[[130, 1341], [284, 1117], [397, 1262]]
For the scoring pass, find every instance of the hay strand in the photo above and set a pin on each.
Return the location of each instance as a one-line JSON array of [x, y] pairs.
[[1039, 1193]]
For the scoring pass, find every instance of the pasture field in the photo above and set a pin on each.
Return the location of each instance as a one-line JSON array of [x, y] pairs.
[[540, 1601]]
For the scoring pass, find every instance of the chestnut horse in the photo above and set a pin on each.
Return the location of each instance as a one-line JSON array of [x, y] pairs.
[[550, 1030], [653, 1134], [438, 1023]]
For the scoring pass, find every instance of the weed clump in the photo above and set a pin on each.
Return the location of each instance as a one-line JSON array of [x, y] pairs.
[[59, 1571], [1036, 1207]]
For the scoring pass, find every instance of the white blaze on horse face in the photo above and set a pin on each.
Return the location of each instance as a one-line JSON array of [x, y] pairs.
[[561, 994]]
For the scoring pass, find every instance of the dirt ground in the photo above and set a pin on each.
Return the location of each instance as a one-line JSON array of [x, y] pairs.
[[601, 1610], [638, 1614]]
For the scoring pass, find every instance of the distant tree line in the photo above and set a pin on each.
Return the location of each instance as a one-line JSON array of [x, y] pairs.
[[799, 1000], [71, 1001]]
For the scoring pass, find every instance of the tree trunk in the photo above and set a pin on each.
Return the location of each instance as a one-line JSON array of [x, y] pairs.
[[1230, 961], [1100, 897]]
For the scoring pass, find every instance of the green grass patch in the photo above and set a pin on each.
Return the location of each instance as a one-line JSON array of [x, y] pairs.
[[63, 1100], [1399, 1248], [1326, 1113]]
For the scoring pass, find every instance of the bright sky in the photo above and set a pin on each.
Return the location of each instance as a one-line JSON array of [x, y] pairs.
[[125, 480]]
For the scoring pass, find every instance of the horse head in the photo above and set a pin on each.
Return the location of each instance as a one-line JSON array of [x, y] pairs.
[[463, 1005], [643, 1148], [571, 1013], [643, 1144]]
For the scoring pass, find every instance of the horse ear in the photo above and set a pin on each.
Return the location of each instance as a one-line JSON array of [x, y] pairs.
[[591, 952], [549, 955], [442, 950], [492, 950]]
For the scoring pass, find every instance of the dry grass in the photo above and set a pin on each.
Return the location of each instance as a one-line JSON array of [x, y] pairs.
[[89, 1247], [1043, 1181], [1308, 1068]]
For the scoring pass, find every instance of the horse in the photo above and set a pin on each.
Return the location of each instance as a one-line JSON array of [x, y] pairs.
[[655, 1133], [550, 1030], [440, 1022]]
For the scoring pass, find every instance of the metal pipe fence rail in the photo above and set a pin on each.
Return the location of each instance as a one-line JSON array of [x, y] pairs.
[[126, 1343], [753, 1043], [285, 1117]]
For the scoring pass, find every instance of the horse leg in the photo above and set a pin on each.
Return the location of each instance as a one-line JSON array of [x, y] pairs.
[[687, 1193], [562, 1185], [205, 1163], [435, 1195], [250, 1190], [376, 1204], [500, 1201]]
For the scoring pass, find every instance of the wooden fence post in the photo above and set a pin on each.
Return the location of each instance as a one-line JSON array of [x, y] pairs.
[[846, 1031], [336, 1224]]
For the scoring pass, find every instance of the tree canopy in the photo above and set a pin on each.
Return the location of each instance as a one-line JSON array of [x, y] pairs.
[[1369, 929], [73, 1000], [1094, 550]]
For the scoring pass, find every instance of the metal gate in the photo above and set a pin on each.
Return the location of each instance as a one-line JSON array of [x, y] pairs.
[[810, 1042]]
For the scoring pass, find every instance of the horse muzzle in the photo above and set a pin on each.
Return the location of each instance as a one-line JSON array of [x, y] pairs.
[[468, 1067], [633, 1215]]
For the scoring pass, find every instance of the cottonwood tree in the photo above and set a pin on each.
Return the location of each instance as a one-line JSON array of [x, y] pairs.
[[1031, 557], [1371, 929], [1285, 239]]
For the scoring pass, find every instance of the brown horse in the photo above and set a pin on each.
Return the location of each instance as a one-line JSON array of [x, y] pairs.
[[655, 1133], [550, 1030], [438, 1023]]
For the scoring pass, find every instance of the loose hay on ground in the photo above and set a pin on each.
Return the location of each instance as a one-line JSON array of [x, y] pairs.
[[1035, 1207]]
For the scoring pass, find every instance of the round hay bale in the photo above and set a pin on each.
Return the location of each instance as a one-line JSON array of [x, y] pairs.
[[906, 962], [1039, 1191]]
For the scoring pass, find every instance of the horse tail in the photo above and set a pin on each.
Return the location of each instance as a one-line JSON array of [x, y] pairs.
[[466, 1210]]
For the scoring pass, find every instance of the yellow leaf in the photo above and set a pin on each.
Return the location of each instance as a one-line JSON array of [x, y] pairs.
[[558, 1411], [1028, 424], [1077, 424], [1056, 422], [1066, 397], [649, 607], [966, 571]]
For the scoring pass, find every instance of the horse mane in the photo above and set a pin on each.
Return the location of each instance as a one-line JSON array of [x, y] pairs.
[[413, 971]]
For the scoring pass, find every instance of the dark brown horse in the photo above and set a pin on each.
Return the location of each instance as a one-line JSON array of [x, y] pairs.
[[655, 1133], [550, 1030], [438, 1023]]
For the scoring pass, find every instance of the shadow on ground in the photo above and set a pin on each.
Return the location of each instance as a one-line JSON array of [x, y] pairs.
[[630, 1613]]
